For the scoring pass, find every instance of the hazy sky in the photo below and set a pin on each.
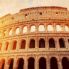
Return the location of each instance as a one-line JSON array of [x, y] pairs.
[[13, 6]]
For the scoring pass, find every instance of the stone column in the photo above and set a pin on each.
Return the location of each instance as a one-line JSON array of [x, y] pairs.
[[47, 43], [48, 63], [9, 45], [7, 32], [36, 63], [25, 63], [3, 46], [36, 43], [13, 31], [66, 43], [27, 43], [57, 44], [21, 30], [6, 66], [59, 64], [18, 45], [15, 64]]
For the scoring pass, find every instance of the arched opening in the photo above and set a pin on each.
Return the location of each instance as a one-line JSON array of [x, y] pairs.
[[17, 31], [3, 63], [42, 63], [61, 43], [14, 45], [58, 28], [33, 28], [53, 63], [25, 29], [23, 43], [41, 28], [65, 63], [11, 63], [7, 44], [51, 43], [31, 63], [66, 28], [32, 43], [50, 28], [41, 43], [20, 63]]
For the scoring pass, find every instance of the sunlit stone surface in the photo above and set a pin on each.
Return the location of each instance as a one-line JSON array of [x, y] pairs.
[[35, 38]]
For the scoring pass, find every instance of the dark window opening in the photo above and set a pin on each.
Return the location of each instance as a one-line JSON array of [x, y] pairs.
[[32, 43], [23, 43], [53, 63], [42, 63], [41, 43], [26, 14], [51, 43], [7, 44], [40, 13], [14, 45], [31, 63], [61, 43], [20, 63], [11, 63], [65, 63]]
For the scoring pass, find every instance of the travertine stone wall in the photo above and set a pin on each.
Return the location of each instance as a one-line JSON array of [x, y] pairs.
[[34, 17]]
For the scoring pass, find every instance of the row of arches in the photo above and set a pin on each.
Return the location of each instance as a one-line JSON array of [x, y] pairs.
[[33, 28], [54, 64], [41, 43]]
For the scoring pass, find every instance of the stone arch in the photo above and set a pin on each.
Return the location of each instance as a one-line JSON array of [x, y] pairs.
[[11, 61], [51, 43], [61, 43], [31, 63], [20, 63], [23, 44], [65, 63], [41, 43], [53, 63], [14, 45], [32, 43], [42, 63]]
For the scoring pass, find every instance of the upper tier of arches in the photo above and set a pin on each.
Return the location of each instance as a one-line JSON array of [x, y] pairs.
[[29, 29]]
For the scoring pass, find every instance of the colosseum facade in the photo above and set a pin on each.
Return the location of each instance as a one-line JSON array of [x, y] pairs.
[[35, 38]]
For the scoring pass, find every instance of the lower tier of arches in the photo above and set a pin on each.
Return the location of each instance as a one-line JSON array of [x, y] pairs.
[[35, 63]]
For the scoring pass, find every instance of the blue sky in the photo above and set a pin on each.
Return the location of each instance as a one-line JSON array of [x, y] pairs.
[[13, 6]]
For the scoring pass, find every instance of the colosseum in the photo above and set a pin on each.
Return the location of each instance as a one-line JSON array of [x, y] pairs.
[[35, 38]]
